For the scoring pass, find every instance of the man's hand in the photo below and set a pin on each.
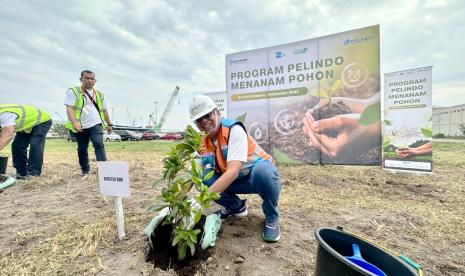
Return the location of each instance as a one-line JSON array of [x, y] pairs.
[[106, 116], [77, 126], [349, 134], [316, 130], [70, 113], [223, 182]]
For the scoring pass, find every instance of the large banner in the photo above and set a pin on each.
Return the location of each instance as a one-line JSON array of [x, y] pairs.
[[407, 139], [313, 101]]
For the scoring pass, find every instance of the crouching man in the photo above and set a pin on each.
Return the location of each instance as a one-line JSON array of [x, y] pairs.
[[31, 126], [241, 166]]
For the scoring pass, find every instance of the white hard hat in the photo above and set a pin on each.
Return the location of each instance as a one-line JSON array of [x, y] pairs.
[[201, 105]]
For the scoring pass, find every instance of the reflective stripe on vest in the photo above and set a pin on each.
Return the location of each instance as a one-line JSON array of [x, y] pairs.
[[216, 156], [79, 104], [28, 116]]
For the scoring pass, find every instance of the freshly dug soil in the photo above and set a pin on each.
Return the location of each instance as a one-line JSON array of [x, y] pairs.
[[165, 256]]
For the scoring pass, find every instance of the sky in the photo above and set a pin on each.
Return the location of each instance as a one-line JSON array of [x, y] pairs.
[[141, 50]]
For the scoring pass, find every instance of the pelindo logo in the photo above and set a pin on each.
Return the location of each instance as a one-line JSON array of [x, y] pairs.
[[299, 51], [358, 40], [237, 61], [280, 54]]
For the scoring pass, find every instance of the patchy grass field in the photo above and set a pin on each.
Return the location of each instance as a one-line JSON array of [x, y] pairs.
[[59, 224]]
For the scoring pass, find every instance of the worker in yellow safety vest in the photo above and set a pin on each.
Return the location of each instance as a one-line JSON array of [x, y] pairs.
[[87, 118], [31, 126], [239, 164]]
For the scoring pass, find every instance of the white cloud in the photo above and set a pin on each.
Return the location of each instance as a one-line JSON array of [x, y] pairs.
[[449, 94]]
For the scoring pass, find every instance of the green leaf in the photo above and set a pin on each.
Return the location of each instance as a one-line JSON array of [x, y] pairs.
[[192, 237], [242, 118], [370, 115], [337, 85], [386, 143], [192, 247], [427, 132], [281, 157], [198, 216], [387, 122], [209, 175], [158, 206], [182, 251], [176, 240]]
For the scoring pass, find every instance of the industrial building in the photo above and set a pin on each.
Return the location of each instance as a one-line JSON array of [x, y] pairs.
[[446, 120]]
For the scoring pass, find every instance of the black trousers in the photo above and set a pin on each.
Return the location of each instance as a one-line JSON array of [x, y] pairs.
[[36, 140]]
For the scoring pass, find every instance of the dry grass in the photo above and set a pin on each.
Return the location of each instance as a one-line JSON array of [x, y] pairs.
[[59, 224]]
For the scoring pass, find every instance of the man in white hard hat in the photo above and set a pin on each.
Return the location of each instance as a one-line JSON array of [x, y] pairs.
[[241, 166]]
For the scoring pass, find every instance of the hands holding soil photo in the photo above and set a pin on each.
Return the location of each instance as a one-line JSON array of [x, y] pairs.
[[412, 152], [332, 126]]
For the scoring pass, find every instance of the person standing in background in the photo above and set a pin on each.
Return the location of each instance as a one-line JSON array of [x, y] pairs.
[[87, 118]]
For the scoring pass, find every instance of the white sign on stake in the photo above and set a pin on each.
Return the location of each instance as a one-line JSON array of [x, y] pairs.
[[113, 177], [114, 181]]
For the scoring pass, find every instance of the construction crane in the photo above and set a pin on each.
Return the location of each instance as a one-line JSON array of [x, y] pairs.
[[169, 105], [151, 120]]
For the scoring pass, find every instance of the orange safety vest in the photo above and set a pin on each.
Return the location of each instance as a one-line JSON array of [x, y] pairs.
[[216, 156]]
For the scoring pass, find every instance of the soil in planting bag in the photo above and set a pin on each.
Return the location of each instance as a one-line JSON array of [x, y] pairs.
[[6, 181], [210, 230], [155, 222]]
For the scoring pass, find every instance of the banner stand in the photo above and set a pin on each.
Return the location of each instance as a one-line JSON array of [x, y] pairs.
[[419, 173]]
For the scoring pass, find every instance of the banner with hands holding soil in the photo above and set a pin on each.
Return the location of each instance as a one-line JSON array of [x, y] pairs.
[[345, 130], [313, 101]]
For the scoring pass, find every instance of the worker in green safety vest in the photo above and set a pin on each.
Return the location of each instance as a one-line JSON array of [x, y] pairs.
[[31, 126], [87, 118]]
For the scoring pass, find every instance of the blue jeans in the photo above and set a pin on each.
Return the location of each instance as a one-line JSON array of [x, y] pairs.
[[94, 134], [263, 180], [36, 139]]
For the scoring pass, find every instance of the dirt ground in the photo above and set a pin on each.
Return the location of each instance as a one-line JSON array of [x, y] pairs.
[[59, 224]]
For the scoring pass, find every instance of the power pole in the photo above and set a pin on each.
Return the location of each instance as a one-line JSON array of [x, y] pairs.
[[129, 117]]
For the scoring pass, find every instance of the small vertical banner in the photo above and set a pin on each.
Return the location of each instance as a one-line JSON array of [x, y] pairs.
[[408, 129], [114, 181], [221, 100]]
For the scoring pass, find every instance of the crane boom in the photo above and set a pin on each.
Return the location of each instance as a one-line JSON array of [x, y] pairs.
[[167, 110]]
